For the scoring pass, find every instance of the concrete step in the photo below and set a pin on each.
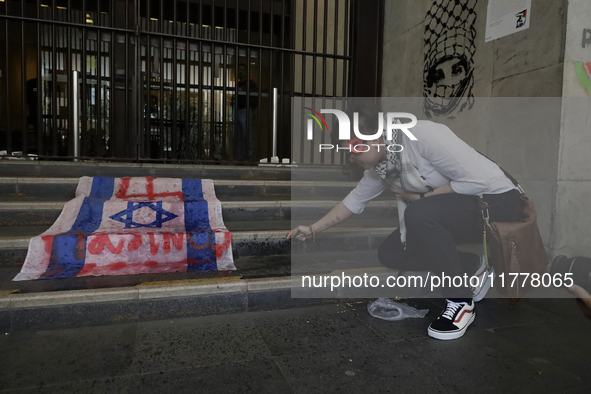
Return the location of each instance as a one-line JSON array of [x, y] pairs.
[[13, 249], [56, 169], [236, 226], [79, 302], [63, 189], [40, 214]]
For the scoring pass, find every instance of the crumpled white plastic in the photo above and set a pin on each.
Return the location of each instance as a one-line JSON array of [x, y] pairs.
[[386, 309]]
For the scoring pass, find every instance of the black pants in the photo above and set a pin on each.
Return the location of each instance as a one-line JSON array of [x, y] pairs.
[[435, 225]]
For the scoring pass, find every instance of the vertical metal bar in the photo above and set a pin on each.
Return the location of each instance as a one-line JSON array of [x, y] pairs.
[[187, 2], [128, 128], [83, 64], [68, 67], [292, 73], [212, 130], [261, 24], [112, 11], [224, 97], [248, 93], [212, 62], [187, 140], [187, 123], [304, 45], [162, 134], [8, 132], [236, 56], [345, 50], [259, 121], [334, 65], [224, 102], [199, 83], [74, 112], [53, 92], [200, 27], [283, 24], [272, 12], [315, 48], [174, 27], [275, 104], [99, 90], [282, 69], [248, 27], [148, 100], [38, 116], [174, 122], [112, 142], [324, 51], [271, 53], [314, 61], [25, 125], [212, 26], [139, 103], [269, 143]]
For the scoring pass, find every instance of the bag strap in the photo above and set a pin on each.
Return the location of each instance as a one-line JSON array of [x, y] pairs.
[[484, 210], [511, 178]]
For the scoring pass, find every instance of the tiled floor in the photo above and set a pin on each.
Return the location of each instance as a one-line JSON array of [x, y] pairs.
[[536, 346]]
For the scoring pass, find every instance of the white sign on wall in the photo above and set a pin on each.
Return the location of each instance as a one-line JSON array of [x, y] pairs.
[[506, 17]]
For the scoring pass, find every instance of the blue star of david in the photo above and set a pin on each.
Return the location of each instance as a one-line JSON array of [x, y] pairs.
[[126, 216]]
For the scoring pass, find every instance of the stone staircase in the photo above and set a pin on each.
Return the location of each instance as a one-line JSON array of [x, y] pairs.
[[260, 205]]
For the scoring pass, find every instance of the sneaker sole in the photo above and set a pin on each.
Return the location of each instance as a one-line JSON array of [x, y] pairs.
[[449, 335]]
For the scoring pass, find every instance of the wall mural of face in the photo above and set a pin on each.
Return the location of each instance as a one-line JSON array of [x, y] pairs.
[[450, 45]]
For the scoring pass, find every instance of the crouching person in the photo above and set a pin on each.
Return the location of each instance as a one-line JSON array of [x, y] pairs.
[[435, 180]]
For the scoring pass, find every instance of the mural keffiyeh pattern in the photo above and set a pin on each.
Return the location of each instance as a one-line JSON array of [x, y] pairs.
[[120, 226], [450, 45]]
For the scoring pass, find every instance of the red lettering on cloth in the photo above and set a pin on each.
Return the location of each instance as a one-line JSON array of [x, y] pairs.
[[135, 243], [221, 248], [122, 193], [80, 250], [48, 241], [91, 269], [98, 243], [177, 241], [194, 245], [153, 245]]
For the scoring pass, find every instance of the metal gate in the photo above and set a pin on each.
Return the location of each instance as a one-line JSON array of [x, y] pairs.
[[166, 81]]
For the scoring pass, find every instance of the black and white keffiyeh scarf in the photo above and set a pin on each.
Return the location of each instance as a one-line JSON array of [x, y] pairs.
[[397, 170]]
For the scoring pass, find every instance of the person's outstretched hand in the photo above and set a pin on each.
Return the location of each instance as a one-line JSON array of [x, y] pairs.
[[583, 299], [301, 232]]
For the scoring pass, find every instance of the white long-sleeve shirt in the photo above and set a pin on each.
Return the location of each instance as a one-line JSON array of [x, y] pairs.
[[440, 157]]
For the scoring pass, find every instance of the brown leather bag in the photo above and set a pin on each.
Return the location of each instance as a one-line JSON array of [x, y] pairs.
[[515, 248]]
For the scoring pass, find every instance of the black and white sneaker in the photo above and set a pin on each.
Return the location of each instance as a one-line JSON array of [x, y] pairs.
[[453, 321], [484, 276]]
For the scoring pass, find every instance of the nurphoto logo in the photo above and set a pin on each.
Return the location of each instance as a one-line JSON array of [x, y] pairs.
[[345, 129]]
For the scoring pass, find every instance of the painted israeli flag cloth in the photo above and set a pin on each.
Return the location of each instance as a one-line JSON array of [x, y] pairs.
[[120, 226]]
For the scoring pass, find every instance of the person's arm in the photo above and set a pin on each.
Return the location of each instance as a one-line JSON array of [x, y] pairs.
[[337, 215], [410, 197], [368, 188]]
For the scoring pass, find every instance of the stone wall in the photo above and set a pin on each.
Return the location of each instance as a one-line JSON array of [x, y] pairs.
[[573, 208]]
